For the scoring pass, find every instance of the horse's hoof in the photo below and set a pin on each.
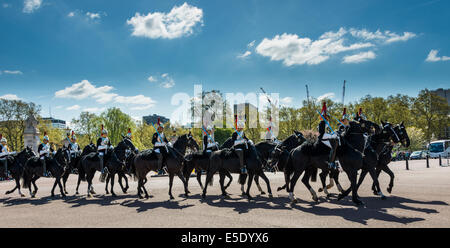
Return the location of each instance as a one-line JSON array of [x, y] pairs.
[[140, 197], [263, 193], [22, 195], [294, 201], [147, 196], [89, 196], [340, 196], [65, 192], [270, 196], [320, 189], [189, 192], [328, 196], [53, 195], [203, 196], [389, 190], [172, 198], [63, 196], [77, 193], [315, 199], [375, 193]]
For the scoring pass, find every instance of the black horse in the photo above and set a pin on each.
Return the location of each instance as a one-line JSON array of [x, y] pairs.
[[74, 164], [54, 164], [114, 161], [146, 161], [90, 150], [226, 160], [312, 156], [376, 144], [16, 165], [385, 157]]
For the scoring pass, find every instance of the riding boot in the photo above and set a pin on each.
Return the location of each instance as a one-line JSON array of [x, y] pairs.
[[160, 161], [102, 169], [44, 167], [240, 154], [332, 157]]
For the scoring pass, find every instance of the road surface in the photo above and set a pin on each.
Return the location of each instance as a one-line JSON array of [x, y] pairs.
[[420, 198]]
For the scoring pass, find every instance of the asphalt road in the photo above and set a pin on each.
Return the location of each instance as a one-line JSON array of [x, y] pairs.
[[420, 198]]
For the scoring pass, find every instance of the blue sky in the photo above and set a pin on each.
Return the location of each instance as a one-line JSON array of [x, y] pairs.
[[91, 55]]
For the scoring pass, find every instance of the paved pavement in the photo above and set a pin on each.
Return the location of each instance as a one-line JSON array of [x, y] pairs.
[[420, 198]]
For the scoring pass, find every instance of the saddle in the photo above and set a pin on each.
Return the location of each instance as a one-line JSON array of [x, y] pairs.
[[315, 149]]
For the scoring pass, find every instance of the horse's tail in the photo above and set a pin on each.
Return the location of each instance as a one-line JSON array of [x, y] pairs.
[[185, 168], [313, 174], [289, 165]]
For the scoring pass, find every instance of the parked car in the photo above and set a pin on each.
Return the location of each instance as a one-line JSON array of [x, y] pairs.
[[418, 155]]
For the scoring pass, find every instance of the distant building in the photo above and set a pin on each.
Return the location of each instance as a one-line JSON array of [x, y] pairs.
[[443, 93], [56, 123], [149, 119]]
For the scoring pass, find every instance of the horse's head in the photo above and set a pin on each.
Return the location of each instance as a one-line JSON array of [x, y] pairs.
[[129, 143], [62, 156], [402, 134], [372, 127], [388, 132], [192, 144], [275, 155]]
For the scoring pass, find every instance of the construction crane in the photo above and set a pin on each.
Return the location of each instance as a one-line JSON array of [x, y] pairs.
[[343, 93], [309, 106]]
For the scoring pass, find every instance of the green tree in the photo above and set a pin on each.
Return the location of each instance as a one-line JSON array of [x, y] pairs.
[[117, 124]]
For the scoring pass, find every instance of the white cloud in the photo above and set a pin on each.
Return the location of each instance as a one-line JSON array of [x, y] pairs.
[[6, 5], [432, 57], [29, 6], [137, 100], [142, 107], [93, 16], [94, 110], [85, 89], [386, 36], [102, 95], [71, 14], [294, 50], [286, 100], [180, 21], [168, 82], [151, 79], [13, 72], [244, 55], [74, 107], [359, 57], [329, 95], [10, 97]]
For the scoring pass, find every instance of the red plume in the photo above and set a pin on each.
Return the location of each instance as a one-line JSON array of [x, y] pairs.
[[1, 136], [345, 111], [159, 121], [360, 111], [73, 133], [102, 126], [45, 133], [129, 130], [324, 109], [235, 121]]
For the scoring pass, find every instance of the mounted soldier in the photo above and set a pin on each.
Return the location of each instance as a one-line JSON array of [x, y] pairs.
[[270, 137], [129, 134], [44, 151], [160, 144], [209, 143], [4, 152], [239, 138], [74, 147], [330, 140], [67, 141], [103, 143], [344, 121]]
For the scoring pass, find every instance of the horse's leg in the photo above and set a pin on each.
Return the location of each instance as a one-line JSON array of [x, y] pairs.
[[170, 185], [378, 171], [222, 182], [323, 177], [264, 177], [228, 174], [361, 177], [34, 184], [257, 184], [391, 174], [186, 191], [113, 175], [64, 180], [352, 175], [373, 174], [108, 177], [17, 186], [89, 180], [53, 188], [249, 185], [209, 176], [124, 176], [305, 181], [139, 190], [335, 176], [61, 187], [199, 178], [292, 181], [144, 181], [78, 184]]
